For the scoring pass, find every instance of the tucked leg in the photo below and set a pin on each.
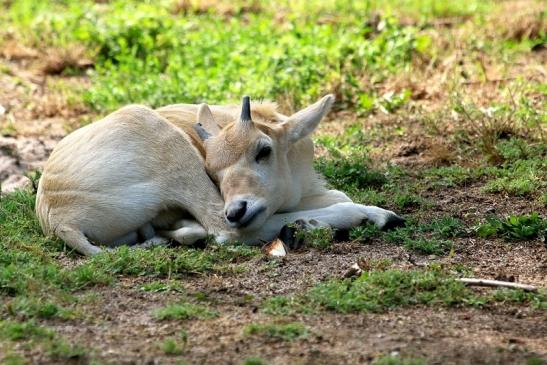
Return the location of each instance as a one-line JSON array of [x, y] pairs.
[[76, 240], [186, 232], [146, 232], [129, 239], [322, 200], [338, 216]]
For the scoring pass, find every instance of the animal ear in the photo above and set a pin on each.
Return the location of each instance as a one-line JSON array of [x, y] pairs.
[[302, 123], [206, 125]]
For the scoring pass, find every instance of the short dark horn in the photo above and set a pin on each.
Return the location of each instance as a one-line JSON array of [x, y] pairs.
[[246, 109]]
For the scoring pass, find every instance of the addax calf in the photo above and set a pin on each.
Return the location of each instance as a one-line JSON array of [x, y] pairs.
[[143, 175]]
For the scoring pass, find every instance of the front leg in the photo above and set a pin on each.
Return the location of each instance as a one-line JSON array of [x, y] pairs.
[[321, 199], [383, 218], [337, 216]]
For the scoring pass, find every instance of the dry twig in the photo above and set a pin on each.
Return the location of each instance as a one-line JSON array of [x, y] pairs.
[[496, 283]]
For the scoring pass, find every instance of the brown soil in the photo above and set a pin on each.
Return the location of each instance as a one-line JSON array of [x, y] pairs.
[[34, 113], [120, 327]]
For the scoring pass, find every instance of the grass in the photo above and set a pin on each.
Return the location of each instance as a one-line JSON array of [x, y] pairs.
[[175, 345], [184, 311], [254, 361], [14, 359], [521, 172], [286, 332], [423, 238], [53, 345], [381, 291], [285, 305], [534, 361], [266, 63], [397, 360], [427, 238], [320, 238], [34, 285], [347, 166], [160, 286], [16, 331], [524, 227]]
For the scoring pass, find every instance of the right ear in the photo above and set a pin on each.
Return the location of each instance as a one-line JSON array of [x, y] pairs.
[[304, 122], [206, 125]]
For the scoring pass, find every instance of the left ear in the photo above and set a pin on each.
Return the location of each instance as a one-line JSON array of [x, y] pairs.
[[302, 123], [206, 125]]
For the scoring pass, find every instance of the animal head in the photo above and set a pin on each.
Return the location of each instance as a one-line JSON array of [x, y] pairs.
[[248, 159]]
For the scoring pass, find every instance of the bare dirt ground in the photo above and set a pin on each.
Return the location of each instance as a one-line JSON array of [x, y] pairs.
[[34, 115], [119, 327]]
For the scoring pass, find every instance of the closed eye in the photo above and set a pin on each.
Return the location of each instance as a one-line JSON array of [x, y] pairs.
[[263, 153]]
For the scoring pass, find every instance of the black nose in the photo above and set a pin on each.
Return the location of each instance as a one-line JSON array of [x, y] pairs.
[[236, 211]]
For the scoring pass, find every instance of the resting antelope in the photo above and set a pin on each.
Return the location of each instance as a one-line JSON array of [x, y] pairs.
[[143, 175]]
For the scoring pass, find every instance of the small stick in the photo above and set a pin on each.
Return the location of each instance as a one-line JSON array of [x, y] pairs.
[[497, 283]]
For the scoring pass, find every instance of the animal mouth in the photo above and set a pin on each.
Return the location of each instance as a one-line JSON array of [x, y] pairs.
[[248, 218]]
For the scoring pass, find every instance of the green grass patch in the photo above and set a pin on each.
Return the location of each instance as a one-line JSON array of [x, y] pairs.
[[61, 349], [351, 172], [284, 305], [522, 171], [144, 53], [34, 284], [24, 307], [533, 360], [32, 333], [160, 286], [449, 176], [254, 361], [286, 332], [398, 360], [184, 311], [15, 331], [427, 238], [511, 296], [14, 359], [380, 291], [347, 166], [175, 345], [364, 233], [320, 238], [162, 262], [524, 227]]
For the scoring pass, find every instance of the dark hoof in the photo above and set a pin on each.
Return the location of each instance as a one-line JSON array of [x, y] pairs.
[[200, 244], [394, 221], [341, 235], [290, 238]]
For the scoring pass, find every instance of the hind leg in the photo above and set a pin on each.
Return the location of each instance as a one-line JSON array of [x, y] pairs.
[[186, 232], [76, 240], [127, 240]]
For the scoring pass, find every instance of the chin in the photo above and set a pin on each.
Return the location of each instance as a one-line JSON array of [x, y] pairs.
[[256, 223]]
